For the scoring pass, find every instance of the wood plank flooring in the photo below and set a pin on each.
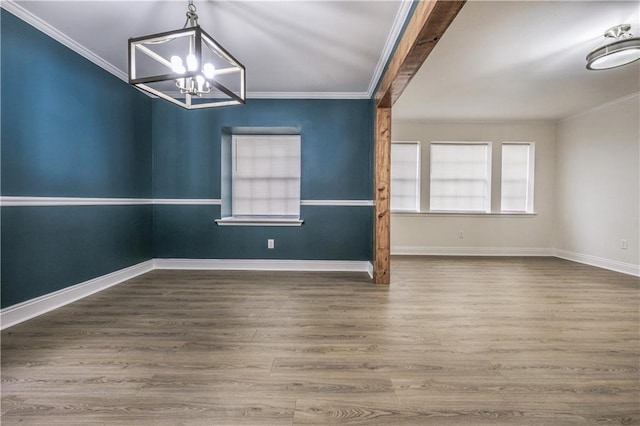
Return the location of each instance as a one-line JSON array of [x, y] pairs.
[[452, 341]]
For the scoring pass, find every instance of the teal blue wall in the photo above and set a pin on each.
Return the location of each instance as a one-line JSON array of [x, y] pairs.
[[329, 233], [69, 129], [336, 138], [45, 249], [337, 157]]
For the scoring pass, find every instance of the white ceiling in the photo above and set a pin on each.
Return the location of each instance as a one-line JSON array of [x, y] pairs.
[[322, 48], [499, 60], [520, 60]]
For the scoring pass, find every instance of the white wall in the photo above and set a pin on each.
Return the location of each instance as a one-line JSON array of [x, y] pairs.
[[483, 234], [598, 190]]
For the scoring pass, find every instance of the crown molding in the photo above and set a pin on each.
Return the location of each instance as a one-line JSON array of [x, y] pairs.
[[292, 95], [599, 107], [17, 10], [307, 95], [390, 44]]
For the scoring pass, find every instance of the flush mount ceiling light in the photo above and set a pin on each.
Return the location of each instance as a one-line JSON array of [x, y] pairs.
[[623, 50], [186, 67]]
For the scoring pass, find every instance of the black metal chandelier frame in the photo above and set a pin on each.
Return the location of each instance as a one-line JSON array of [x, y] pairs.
[[193, 83]]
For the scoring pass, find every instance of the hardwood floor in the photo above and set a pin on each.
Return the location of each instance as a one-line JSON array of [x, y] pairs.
[[452, 341]]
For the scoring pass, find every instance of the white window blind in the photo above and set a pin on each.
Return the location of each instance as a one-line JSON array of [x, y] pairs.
[[460, 177], [405, 176], [517, 178], [266, 176]]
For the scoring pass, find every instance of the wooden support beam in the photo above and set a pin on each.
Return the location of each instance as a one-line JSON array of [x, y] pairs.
[[427, 25], [429, 21], [382, 179]]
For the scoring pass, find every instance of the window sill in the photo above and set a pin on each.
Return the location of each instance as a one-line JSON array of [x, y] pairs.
[[234, 221], [464, 214]]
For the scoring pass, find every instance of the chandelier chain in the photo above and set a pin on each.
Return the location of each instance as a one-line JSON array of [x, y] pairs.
[[192, 16]]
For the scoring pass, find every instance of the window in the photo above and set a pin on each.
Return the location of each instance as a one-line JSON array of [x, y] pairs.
[[405, 176], [262, 184], [460, 177], [517, 177]]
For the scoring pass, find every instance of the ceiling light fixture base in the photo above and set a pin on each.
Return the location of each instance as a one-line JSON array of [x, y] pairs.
[[624, 50], [618, 31]]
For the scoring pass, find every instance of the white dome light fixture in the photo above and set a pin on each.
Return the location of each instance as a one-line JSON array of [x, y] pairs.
[[622, 51], [187, 67]]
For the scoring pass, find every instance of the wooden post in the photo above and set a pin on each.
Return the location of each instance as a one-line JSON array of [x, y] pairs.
[[428, 23], [382, 179]]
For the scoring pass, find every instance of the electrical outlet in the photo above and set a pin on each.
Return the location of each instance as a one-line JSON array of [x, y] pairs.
[[270, 243], [461, 235], [624, 244]]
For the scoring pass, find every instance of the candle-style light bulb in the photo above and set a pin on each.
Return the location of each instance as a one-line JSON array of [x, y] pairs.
[[192, 62], [176, 65], [200, 81], [209, 71]]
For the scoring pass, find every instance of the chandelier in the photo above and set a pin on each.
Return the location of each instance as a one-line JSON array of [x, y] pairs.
[[623, 50], [186, 67]]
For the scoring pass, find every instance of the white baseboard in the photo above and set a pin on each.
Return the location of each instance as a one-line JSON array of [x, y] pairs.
[[266, 265], [613, 265], [20, 312], [26, 310], [470, 251]]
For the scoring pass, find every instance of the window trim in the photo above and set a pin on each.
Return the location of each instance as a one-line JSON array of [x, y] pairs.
[[495, 157], [257, 221], [227, 179]]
